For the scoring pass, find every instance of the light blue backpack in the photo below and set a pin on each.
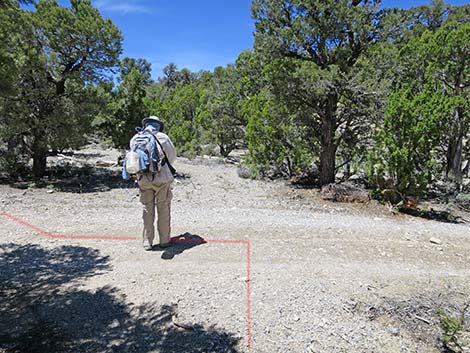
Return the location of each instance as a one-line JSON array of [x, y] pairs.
[[143, 156]]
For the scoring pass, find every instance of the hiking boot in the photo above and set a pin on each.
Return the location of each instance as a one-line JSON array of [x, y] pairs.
[[162, 247], [147, 245]]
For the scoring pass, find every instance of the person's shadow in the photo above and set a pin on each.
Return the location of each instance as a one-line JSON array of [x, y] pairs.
[[181, 243]]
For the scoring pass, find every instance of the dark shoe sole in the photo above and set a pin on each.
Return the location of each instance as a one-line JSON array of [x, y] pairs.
[[162, 247]]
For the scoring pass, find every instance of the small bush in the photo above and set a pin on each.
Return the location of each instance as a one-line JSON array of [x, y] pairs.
[[210, 150], [246, 173], [13, 166], [452, 328], [463, 201]]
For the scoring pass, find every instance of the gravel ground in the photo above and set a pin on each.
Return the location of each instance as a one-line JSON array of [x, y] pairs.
[[325, 277]]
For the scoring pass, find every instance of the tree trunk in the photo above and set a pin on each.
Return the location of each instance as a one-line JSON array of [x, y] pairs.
[[455, 150], [328, 144], [454, 159], [12, 145], [466, 169], [39, 157], [222, 150]]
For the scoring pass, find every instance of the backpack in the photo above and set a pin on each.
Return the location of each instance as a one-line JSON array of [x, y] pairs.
[[144, 155]]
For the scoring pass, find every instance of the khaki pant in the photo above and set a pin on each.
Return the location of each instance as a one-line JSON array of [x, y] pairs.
[[157, 195]]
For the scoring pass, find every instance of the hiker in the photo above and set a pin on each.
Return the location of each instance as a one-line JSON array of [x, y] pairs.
[[155, 183]]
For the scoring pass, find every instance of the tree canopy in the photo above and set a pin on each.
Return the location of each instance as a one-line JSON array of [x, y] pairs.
[[59, 54], [330, 89], [317, 45]]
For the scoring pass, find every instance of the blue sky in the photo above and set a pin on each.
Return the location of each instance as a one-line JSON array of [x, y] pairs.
[[198, 35], [193, 34]]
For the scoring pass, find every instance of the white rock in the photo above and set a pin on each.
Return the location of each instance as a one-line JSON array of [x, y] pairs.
[[435, 241]]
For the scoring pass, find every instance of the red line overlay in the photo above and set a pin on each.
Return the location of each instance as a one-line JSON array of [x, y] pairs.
[[62, 236], [173, 240]]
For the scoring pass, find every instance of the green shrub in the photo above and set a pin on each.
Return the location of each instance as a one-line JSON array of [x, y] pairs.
[[452, 327], [404, 153]]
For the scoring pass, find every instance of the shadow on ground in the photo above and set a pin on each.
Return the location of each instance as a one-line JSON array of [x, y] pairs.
[[181, 243], [435, 215], [84, 179], [78, 180], [44, 309]]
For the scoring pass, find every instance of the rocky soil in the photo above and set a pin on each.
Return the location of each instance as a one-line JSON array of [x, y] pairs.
[[324, 276]]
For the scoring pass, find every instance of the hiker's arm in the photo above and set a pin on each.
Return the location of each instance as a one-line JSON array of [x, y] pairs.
[[170, 151]]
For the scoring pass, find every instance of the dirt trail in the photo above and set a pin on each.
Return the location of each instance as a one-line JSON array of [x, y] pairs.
[[325, 277]]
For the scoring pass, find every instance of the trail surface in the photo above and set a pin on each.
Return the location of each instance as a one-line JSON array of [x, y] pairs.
[[324, 277]]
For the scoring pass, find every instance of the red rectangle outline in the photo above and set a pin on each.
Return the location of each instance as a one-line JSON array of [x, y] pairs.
[[174, 240]]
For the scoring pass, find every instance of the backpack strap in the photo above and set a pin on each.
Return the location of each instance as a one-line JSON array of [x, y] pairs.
[[165, 160]]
